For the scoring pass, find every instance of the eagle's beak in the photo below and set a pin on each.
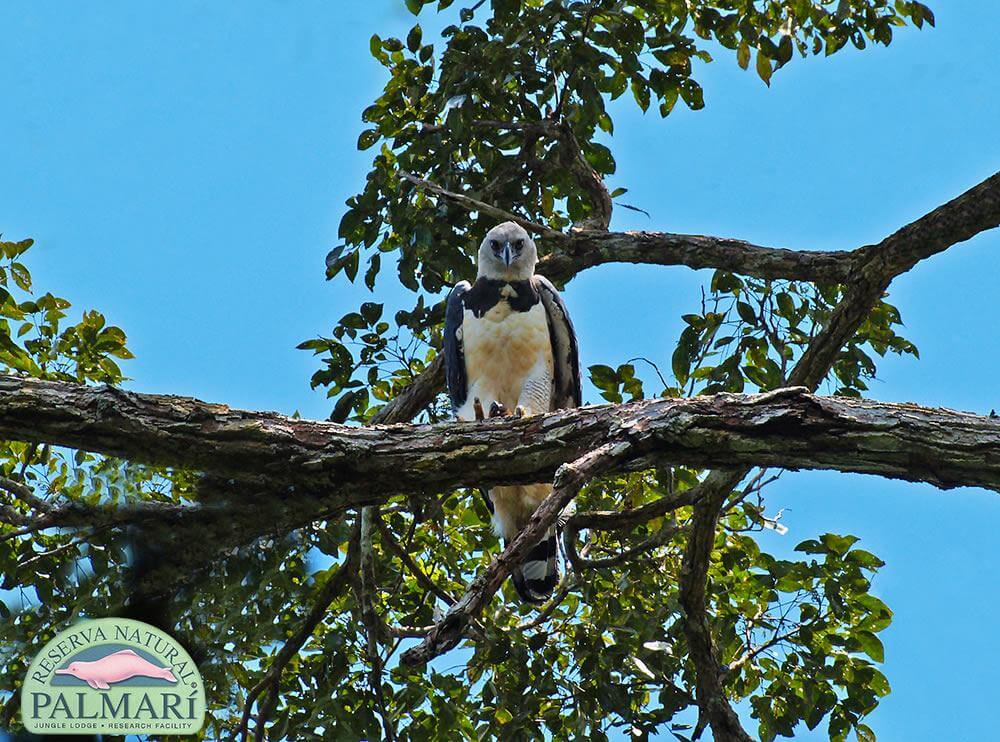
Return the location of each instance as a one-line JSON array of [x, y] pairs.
[[508, 254]]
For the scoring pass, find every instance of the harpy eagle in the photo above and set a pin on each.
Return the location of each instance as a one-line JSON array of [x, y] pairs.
[[509, 346]]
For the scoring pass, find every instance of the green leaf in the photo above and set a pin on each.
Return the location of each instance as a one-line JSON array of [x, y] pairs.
[[353, 320], [743, 54], [786, 305], [343, 407], [680, 362], [784, 51], [747, 313], [865, 559], [368, 138], [603, 377], [693, 95], [871, 645], [878, 683], [764, 68], [640, 91], [811, 546], [371, 312], [537, 641], [838, 545], [21, 276], [413, 38]]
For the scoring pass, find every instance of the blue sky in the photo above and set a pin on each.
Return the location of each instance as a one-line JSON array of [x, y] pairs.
[[183, 168]]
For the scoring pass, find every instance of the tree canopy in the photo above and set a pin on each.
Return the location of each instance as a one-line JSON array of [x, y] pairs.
[[326, 567]]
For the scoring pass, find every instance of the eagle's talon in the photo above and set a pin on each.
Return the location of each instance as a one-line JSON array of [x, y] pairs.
[[477, 406], [497, 409], [519, 411]]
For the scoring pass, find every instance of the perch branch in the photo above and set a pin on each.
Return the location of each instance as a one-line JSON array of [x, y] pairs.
[[956, 221]]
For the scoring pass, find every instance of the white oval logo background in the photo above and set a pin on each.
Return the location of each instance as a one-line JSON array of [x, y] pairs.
[[113, 675]]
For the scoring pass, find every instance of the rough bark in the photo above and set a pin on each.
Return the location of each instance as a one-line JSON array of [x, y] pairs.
[[302, 469], [570, 478], [866, 270], [974, 211], [358, 466], [415, 397], [568, 253], [589, 248]]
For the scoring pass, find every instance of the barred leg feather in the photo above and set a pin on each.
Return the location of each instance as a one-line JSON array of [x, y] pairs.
[[536, 577]]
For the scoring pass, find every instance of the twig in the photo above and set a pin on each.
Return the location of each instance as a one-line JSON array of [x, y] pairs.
[[772, 642], [475, 205], [411, 565], [568, 481], [567, 583], [59, 549], [332, 589], [612, 520], [755, 485], [580, 563], [373, 628], [656, 368], [24, 493]]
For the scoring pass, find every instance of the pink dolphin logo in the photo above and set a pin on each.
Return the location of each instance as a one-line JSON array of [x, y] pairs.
[[114, 668]]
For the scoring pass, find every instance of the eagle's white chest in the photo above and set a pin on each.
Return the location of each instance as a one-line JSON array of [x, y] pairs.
[[503, 348]]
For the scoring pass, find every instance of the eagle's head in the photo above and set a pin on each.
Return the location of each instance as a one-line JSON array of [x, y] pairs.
[[507, 254]]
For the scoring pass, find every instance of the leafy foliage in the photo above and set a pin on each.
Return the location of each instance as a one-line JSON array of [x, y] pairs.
[[511, 106], [56, 577], [520, 91]]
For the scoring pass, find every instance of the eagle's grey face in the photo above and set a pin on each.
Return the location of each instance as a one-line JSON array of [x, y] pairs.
[[507, 254]]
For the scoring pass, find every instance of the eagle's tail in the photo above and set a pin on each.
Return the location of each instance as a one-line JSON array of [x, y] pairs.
[[536, 577]]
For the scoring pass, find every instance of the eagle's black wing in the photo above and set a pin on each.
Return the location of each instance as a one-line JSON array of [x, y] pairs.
[[565, 352], [454, 356]]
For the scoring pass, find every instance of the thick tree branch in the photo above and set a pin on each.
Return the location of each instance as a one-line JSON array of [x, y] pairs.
[[570, 253], [709, 675], [589, 180], [590, 248], [325, 468], [356, 466], [866, 270], [976, 210], [375, 632], [962, 218]]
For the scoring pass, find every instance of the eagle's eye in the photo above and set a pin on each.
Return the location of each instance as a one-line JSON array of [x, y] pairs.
[[519, 245], [495, 245]]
